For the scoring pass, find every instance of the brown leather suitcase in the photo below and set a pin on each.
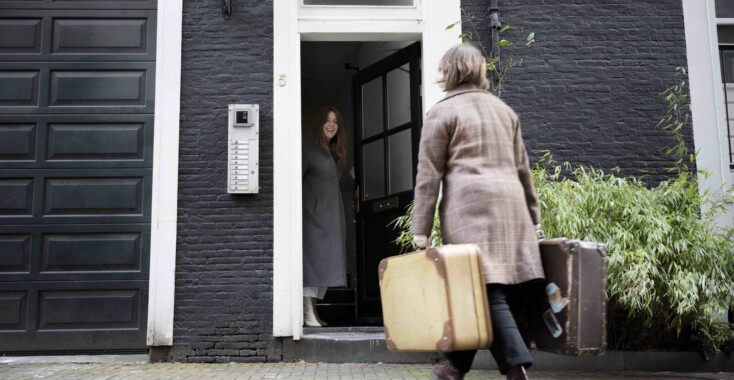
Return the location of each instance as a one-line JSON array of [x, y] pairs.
[[435, 300], [574, 312]]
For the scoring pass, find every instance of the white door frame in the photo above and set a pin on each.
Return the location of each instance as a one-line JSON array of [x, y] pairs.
[[164, 207], [707, 98], [294, 23]]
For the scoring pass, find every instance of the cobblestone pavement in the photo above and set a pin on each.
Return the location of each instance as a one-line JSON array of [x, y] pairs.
[[129, 371]]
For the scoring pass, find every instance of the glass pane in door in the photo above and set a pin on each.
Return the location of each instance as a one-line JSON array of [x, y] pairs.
[[724, 8], [398, 96], [401, 162], [726, 34], [727, 65], [372, 108], [373, 158]]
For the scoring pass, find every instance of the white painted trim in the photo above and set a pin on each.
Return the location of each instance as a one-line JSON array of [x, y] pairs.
[[426, 22], [164, 205], [707, 97], [362, 13], [436, 41], [347, 28], [301, 2], [287, 234], [724, 21], [362, 37]]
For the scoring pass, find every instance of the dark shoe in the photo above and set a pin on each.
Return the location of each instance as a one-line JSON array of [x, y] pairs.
[[517, 373], [446, 372]]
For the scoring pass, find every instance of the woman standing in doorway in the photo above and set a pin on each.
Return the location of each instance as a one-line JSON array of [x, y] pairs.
[[471, 141], [324, 231]]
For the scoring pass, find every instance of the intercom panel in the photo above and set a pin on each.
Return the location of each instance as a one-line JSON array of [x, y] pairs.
[[242, 155]]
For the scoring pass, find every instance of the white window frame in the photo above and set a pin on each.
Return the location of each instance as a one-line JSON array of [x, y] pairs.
[[294, 23], [304, 6], [729, 22], [707, 98]]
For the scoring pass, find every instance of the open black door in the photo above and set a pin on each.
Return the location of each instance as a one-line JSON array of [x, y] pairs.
[[388, 119]]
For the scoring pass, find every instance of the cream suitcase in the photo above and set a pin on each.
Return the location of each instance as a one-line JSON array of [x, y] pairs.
[[435, 300]]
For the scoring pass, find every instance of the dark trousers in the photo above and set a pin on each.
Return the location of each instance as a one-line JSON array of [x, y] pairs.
[[508, 347]]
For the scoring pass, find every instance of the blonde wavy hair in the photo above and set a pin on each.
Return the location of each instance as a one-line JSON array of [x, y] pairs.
[[463, 64]]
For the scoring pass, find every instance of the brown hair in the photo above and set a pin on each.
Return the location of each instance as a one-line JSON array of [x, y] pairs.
[[338, 144], [463, 64]]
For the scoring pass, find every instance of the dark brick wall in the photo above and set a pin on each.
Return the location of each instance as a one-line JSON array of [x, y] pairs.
[[223, 304], [588, 89]]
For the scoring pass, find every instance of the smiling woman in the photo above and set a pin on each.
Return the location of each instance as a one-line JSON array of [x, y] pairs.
[[324, 228]]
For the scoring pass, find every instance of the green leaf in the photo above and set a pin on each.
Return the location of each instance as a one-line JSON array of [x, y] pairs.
[[451, 26], [503, 43]]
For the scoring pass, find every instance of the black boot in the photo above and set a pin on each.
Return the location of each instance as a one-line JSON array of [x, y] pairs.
[[446, 372], [517, 373]]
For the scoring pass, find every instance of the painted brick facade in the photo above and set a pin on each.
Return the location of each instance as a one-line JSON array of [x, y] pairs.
[[224, 270], [587, 91]]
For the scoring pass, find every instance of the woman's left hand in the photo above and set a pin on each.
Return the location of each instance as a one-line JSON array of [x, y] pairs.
[[420, 241]]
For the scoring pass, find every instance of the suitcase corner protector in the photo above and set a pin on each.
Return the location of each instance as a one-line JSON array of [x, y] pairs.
[[382, 268], [446, 343], [391, 344]]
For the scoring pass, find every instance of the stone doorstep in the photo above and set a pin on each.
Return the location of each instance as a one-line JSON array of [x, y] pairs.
[[367, 345]]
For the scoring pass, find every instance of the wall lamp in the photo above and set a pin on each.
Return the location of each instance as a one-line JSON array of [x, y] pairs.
[[226, 8]]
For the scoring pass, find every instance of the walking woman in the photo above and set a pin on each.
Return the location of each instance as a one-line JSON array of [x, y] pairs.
[[324, 231], [471, 141]]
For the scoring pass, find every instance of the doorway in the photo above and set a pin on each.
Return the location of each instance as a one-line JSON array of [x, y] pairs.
[[376, 86]]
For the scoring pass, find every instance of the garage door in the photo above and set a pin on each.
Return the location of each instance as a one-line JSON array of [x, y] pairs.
[[76, 136]]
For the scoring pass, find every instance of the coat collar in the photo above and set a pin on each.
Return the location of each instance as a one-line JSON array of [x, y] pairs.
[[463, 89]]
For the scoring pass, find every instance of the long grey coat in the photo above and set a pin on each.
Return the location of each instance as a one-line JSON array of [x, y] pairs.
[[471, 141], [324, 231]]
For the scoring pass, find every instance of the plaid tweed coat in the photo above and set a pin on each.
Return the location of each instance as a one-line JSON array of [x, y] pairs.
[[324, 228], [471, 141]]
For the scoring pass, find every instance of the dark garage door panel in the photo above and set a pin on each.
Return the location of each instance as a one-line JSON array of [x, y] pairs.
[[68, 87], [75, 252], [79, 4], [52, 196], [43, 316], [98, 35], [78, 141]]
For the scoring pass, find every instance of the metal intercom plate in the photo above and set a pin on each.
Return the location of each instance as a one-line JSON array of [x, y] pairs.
[[242, 153]]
